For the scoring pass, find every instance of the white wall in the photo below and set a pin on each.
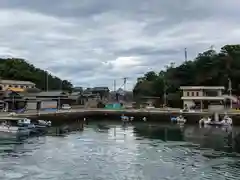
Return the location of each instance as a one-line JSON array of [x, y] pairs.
[[185, 93], [189, 103]]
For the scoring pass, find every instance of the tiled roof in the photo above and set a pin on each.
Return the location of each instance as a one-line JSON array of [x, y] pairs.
[[100, 89]]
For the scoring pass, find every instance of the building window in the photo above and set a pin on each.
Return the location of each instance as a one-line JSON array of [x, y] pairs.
[[16, 86], [188, 94], [22, 87], [192, 93], [10, 86], [197, 93]]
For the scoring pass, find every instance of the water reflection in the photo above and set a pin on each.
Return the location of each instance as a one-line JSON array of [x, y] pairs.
[[140, 151]]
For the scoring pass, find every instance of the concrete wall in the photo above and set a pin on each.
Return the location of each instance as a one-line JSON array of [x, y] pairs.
[[31, 106], [192, 93]]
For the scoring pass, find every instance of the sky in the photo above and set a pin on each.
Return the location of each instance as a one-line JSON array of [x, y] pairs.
[[94, 42]]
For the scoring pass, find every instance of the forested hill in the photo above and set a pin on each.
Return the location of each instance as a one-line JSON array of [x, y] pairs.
[[19, 69], [208, 68]]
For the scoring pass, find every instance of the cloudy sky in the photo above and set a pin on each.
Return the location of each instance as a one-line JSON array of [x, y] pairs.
[[93, 42]]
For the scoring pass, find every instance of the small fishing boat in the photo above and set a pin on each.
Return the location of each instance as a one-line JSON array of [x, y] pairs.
[[124, 118], [39, 127], [44, 123], [178, 119], [24, 122], [226, 121], [205, 120], [9, 128]]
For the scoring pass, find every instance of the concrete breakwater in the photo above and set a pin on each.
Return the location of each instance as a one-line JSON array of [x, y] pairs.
[[152, 115]]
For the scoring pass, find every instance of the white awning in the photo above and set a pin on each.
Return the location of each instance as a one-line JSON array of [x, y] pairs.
[[217, 98]]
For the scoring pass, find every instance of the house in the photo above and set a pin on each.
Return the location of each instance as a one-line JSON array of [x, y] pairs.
[[12, 100], [14, 85], [204, 96], [77, 98], [102, 92], [46, 99]]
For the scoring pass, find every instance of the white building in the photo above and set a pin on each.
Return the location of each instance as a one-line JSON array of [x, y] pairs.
[[193, 95]]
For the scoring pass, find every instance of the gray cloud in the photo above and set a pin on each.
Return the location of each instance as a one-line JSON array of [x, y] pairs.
[[92, 42]]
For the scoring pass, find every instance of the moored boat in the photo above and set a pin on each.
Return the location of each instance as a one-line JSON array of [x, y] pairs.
[[226, 121], [9, 128]]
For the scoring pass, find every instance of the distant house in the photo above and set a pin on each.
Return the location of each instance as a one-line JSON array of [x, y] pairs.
[[47, 98], [12, 100], [103, 92], [14, 85], [210, 97]]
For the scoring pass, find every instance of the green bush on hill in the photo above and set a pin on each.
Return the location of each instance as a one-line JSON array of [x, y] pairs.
[[19, 69], [209, 68]]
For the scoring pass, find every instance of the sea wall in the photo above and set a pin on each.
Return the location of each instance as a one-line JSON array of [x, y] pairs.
[[101, 114]]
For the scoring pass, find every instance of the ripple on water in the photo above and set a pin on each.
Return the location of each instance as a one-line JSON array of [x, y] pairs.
[[113, 155]]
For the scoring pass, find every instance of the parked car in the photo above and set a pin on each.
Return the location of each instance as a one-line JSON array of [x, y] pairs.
[[66, 106]]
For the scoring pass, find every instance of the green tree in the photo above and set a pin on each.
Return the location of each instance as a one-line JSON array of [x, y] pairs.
[[209, 68], [19, 69]]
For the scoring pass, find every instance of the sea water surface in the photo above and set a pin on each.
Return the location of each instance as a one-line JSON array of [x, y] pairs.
[[140, 152]]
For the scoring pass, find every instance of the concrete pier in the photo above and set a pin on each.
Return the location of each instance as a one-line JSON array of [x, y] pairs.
[[156, 115]]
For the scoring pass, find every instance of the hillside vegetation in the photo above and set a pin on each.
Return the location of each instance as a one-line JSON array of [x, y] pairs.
[[209, 68], [19, 69]]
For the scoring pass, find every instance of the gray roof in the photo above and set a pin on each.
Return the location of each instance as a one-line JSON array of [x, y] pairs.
[[16, 82], [76, 94], [100, 89], [52, 93]]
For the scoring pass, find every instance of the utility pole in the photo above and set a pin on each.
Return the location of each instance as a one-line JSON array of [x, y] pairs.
[[114, 85], [211, 47], [185, 54], [59, 98], [165, 93], [125, 83], [230, 91], [47, 82]]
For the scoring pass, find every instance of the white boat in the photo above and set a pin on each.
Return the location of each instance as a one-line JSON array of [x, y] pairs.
[[24, 122], [226, 121], [44, 123], [9, 127], [124, 118], [205, 120]]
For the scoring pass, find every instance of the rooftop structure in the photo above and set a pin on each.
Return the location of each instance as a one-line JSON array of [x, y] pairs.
[[202, 87]]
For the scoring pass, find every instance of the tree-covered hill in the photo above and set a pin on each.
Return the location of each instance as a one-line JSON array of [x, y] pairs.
[[19, 69], [209, 68]]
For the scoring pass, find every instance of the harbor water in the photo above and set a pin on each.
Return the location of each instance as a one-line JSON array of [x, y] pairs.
[[136, 152]]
